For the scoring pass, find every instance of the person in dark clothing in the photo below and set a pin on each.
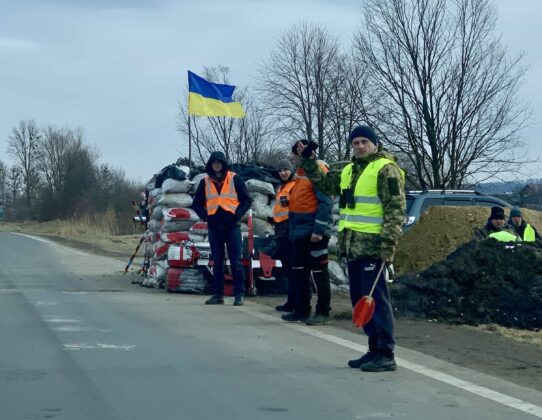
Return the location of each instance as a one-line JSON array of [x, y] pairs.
[[524, 230], [221, 200], [309, 231], [281, 220], [495, 228]]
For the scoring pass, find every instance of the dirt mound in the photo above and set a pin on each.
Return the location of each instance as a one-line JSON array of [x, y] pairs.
[[440, 231], [481, 282]]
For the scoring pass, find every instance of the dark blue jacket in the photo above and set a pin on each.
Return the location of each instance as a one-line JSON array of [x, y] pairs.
[[222, 219]]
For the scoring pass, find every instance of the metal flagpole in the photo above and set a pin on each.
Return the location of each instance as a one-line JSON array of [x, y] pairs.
[[189, 143]]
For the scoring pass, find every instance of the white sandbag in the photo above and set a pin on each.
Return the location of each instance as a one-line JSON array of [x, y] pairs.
[[244, 227], [154, 225], [200, 228], [332, 245], [335, 218], [157, 213], [196, 238], [255, 185], [261, 227], [179, 213], [195, 182], [336, 273], [175, 200], [259, 199], [176, 225], [263, 213], [171, 185]]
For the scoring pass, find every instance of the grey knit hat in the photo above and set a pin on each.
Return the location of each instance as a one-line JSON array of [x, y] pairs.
[[285, 164]]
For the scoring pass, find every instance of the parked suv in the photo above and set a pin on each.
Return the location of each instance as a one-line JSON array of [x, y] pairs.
[[417, 202]]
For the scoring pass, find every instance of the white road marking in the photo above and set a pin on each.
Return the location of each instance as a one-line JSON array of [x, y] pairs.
[[70, 328], [46, 302], [98, 346], [32, 237], [61, 321], [74, 293], [478, 390], [36, 238]]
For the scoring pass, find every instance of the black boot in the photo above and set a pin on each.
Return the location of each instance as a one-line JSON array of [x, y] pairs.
[[366, 358], [380, 363], [215, 300], [287, 307]]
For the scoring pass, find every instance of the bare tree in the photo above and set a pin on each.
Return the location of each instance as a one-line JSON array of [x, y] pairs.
[[14, 183], [51, 160], [23, 147], [298, 81], [4, 175], [444, 91]]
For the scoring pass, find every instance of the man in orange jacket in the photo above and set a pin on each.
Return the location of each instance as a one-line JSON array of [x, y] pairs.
[[310, 230]]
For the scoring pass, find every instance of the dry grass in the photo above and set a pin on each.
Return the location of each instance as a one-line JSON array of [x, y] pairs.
[[524, 336]]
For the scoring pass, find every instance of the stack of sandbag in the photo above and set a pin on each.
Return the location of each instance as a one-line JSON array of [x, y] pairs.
[[170, 218], [263, 196]]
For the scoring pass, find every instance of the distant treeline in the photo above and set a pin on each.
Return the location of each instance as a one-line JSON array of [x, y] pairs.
[[56, 175]]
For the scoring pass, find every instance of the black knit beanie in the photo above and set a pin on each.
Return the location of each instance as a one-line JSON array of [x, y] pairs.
[[364, 131]]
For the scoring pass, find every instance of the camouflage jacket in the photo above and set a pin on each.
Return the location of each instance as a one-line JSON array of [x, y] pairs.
[[391, 191]]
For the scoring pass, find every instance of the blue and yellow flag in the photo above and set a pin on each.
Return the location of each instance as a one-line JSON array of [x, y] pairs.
[[211, 99]]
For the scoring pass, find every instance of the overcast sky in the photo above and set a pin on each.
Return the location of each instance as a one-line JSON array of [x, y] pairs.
[[117, 68]]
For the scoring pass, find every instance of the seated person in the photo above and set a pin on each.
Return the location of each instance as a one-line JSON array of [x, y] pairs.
[[495, 228], [525, 231]]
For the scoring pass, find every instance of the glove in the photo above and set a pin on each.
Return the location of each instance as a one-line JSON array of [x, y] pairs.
[[390, 272]]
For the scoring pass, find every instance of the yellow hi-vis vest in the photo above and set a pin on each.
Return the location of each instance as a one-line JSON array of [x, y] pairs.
[[503, 236], [368, 214], [528, 234]]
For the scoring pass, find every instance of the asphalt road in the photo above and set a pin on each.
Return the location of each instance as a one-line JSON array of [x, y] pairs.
[[77, 341]]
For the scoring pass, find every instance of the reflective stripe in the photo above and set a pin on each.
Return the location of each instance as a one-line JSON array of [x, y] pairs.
[[319, 253], [321, 223], [281, 214], [367, 199], [361, 219]]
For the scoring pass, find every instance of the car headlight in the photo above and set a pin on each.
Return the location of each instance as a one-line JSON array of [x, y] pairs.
[[409, 220]]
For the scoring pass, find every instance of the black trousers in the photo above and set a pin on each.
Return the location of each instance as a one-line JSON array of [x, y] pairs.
[[380, 329], [311, 257], [284, 253]]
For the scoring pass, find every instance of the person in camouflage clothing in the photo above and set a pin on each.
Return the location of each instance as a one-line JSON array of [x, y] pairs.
[[372, 216]]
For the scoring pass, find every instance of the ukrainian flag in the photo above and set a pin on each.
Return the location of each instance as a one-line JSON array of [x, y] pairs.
[[211, 99]]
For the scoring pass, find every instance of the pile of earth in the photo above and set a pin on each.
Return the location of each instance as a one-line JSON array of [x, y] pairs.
[[440, 231], [479, 283]]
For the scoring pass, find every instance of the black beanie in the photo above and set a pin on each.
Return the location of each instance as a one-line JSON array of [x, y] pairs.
[[294, 147], [364, 131], [496, 213]]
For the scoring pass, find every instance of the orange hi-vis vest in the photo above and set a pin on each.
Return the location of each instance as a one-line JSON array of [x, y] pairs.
[[303, 197], [227, 198], [280, 213]]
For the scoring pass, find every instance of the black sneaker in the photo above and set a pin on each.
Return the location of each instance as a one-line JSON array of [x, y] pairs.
[[239, 300], [284, 308], [380, 363], [367, 357], [215, 300], [294, 317], [317, 319]]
